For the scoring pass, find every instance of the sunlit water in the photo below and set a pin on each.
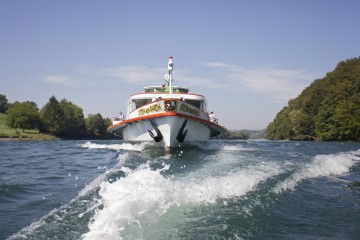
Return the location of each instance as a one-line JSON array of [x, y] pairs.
[[217, 190]]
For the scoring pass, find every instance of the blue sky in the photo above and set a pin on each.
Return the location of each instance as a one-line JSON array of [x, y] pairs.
[[247, 57]]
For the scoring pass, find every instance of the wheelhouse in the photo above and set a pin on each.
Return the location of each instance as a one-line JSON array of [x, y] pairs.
[[163, 89], [155, 93]]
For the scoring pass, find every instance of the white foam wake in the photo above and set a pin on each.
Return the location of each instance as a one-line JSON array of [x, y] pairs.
[[321, 166], [92, 204], [144, 195], [123, 146], [217, 146]]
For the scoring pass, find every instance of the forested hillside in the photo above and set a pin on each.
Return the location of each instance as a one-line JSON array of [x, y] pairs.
[[327, 110]]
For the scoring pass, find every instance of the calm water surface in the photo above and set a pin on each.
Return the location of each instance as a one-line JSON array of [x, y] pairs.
[[218, 190]]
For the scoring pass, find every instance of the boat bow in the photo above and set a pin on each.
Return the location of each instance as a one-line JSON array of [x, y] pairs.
[[167, 114]]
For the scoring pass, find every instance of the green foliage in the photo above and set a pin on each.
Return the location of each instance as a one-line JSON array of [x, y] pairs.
[[3, 103], [62, 119], [14, 133], [97, 125], [52, 117], [329, 109], [243, 134], [23, 115], [73, 122], [234, 134]]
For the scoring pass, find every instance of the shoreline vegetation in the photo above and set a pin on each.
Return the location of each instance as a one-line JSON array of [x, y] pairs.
[[17, 134], [7, 133], [327, 110], [56, 120]]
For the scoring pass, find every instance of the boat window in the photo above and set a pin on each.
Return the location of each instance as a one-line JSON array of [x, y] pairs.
[[161, 89], [195, 103], [141, 102], [180, 90], [154, 89]]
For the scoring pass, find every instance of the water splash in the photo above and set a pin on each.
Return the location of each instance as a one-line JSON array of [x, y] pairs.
[[138, 200], [320, 166], [123, 146]]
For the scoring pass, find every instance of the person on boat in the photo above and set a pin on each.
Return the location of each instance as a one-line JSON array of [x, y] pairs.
[[212, 117], [170, 105], [121, 117]]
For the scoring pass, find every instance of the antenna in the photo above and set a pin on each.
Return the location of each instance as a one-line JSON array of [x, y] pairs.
[[170, 69]]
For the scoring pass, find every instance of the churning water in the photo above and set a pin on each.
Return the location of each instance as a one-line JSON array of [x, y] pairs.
[[217, 190]]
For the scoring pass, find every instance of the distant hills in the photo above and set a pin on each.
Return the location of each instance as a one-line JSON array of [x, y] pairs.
[[327, 110], [243, 134]]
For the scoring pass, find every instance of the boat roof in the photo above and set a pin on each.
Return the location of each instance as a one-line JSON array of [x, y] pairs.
[[176, 89], [159, 91]]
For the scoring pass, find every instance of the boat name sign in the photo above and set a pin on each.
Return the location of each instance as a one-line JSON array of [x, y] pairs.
[[190, 110], [151, 109], [169, 106]]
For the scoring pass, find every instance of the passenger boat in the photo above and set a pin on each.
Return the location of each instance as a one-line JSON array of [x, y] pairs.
[[168, 115]]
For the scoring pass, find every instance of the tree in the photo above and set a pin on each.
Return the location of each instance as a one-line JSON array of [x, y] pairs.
[[97, 125], [73, 125], [52, 117], [23, 115], [281, 128], [3, 103], [347, 115], [63, 119]]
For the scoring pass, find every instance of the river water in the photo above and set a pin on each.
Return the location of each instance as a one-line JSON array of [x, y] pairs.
[[217, 190]]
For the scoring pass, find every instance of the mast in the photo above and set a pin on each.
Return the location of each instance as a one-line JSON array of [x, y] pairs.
[[170, 69]]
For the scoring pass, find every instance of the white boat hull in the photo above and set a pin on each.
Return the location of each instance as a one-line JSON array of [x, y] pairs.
[[169, 122], [169, 128]]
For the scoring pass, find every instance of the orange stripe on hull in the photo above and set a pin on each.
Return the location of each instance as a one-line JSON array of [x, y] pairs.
[[165, 114]]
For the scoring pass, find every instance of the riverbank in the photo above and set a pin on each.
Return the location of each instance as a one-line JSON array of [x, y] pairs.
[[35, 137], [8, 134]]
